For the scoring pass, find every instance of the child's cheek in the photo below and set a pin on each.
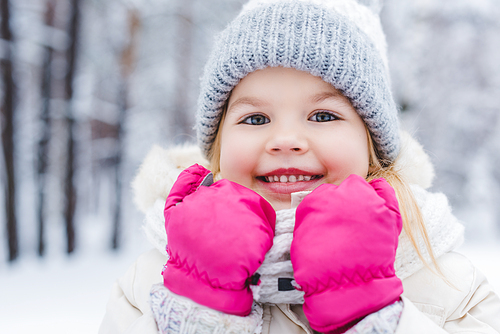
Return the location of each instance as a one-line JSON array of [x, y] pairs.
[[234, 166]]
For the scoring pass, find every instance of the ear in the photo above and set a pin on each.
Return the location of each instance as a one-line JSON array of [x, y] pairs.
[[374, 5]]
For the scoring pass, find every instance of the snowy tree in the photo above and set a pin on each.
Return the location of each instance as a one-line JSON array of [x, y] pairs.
[[446, 77], [7, 129]]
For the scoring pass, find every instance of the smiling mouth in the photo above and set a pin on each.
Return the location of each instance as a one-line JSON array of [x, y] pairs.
[[288, 178]]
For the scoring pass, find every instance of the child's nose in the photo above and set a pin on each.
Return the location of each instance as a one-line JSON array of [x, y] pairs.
[[287, 143]]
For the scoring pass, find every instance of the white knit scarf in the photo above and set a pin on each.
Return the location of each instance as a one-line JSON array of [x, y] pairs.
[[444, 230]]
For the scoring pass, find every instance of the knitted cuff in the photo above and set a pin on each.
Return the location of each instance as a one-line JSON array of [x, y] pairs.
[[384, 321], [178, 315]]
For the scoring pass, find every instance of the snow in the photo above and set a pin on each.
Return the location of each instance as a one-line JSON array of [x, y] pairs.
[[64, 295], [61, 294]]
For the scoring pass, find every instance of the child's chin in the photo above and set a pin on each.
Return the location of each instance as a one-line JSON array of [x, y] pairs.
[[281, 204]]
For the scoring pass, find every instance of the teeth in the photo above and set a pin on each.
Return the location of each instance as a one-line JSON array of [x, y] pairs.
[[288, 178]]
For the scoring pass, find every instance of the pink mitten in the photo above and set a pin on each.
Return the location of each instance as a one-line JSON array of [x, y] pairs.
[[343, 251], [218, 237]]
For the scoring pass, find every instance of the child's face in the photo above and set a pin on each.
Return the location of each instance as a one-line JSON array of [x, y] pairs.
[[290, 126]]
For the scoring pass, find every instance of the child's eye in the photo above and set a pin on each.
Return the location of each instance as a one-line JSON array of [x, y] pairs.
[[256, 120], [323, 116]]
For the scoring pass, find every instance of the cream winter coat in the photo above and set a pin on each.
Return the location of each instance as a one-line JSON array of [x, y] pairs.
[[467, 305]]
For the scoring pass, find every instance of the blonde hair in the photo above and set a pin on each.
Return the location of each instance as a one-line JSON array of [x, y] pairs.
[[413, 220], [214, 153]]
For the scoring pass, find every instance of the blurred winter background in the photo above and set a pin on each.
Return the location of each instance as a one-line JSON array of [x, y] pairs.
[[87, 87]]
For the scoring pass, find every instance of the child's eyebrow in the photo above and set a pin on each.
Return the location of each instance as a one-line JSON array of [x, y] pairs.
[[327, 95], [252, 101]]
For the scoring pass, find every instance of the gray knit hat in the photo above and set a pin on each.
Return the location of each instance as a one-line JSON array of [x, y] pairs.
[[340, 41]]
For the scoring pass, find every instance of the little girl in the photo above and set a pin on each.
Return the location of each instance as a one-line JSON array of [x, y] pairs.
[[318, 220]]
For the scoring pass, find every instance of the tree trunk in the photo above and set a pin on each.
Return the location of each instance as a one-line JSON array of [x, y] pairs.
[[43, 143], [122, 105], [126, 66], [182, 124], [69, 186], [7, 112]]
